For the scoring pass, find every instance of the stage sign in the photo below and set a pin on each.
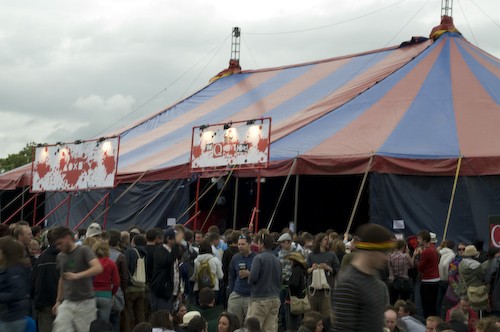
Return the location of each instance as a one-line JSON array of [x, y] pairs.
[[494, 222], [75, 166], [244, 144]]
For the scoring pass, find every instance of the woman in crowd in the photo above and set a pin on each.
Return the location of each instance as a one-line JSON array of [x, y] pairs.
[[13, 285], [312, 322], [296, 286], [105, 284], [472, 274], [326, 262], [228, 322], [179, 314], [162, 321], [215, 264]]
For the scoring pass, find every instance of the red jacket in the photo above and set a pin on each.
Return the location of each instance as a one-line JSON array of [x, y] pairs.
[[428, 265], [108, 280]]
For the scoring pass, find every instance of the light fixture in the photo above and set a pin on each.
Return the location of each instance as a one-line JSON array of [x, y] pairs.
[[203, 127], [250, 122], [102, 139], [227, 125], [78, 141]]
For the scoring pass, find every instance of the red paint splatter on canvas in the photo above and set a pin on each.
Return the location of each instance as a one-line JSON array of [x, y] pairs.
[[109, 163]]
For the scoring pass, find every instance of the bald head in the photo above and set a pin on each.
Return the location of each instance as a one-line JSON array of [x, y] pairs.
[[390, 317]]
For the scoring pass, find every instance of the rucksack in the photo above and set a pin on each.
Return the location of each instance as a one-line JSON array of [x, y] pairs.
[[139, 277], [205, 277]]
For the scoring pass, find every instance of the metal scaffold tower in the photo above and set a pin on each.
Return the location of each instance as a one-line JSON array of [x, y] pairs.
[[235, 44], [447, 8]]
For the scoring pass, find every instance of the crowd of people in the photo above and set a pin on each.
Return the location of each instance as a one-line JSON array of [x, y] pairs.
[[176, 279]]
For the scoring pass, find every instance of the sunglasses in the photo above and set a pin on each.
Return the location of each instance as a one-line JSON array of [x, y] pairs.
[[244, 237]]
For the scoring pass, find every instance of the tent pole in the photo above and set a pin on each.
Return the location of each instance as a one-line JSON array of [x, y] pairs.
[[296, 207], [358, 197], [34, 210], [257, 201], [217, 198], [119, 197], [235, 207], [15, 199], [459, 163], [197, 206], [69, 210], [281, 194], [199, 198]]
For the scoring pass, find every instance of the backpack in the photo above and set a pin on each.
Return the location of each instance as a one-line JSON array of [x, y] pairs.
[[205, 277], [139, 277]]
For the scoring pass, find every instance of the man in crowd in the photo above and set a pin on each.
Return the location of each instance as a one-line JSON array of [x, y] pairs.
[[165, 284], [238, 287], [355, 308], [428, 266], [391, 320], [265, 281], [75, 303], [45, 280]]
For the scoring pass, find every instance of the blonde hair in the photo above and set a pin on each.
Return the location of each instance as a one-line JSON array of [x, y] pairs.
[[101, 249], [89, 241]]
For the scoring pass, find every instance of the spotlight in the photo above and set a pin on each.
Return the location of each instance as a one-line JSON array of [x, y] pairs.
[[203, 127], [78, 141], [228, 125], [250, 122], [102, 139]]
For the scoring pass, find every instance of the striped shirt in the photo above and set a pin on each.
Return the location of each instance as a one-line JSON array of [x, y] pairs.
[[358, 302]]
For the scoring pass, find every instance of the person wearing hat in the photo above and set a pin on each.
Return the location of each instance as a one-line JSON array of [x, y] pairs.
[[94, 230], [471, 272], [165, 284], [286, 247], [359, 299], [296, 287], [187, 318]]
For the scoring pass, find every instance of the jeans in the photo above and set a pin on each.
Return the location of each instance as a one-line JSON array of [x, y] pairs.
[[17, 325], [104, 305]]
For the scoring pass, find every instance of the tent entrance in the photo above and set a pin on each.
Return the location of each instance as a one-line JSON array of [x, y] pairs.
[[324, 202]]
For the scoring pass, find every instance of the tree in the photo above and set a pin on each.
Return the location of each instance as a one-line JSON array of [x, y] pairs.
[[15, 160]]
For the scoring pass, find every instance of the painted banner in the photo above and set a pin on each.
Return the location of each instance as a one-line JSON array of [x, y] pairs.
[[75, 166], [244, 144]]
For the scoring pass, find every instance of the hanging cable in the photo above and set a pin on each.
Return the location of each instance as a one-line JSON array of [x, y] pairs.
[[482, 11], [162, 91], [468, 24], [328, 25], [249, 52]]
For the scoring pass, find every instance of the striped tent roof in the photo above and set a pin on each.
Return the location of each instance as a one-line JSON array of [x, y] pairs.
[[411, 109]]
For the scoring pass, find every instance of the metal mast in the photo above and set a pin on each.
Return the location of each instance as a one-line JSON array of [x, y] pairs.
[[235, 44], [447, 8]]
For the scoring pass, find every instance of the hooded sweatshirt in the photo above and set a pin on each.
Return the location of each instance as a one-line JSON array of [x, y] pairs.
[[447, 255]]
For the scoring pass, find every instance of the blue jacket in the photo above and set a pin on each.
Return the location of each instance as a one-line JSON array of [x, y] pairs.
[[13, 293], [235, 283], [265, 276]]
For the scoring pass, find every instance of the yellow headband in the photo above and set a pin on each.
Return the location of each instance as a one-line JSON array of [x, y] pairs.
[[386, 245]]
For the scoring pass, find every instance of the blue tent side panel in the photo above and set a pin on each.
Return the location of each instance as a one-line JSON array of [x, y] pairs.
[[423, 201]]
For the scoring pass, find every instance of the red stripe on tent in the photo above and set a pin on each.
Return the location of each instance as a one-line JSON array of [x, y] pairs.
[[395, 60], [477, 114], [378, 121], [205, 108]]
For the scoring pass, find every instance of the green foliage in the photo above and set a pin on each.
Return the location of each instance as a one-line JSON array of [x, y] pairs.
[[15, 160]]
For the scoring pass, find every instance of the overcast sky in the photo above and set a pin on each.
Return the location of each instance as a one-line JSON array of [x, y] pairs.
[[76, 69]]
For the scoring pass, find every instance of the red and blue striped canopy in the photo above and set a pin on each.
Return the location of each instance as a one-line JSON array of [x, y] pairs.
[[417, 109], [413, 109]]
